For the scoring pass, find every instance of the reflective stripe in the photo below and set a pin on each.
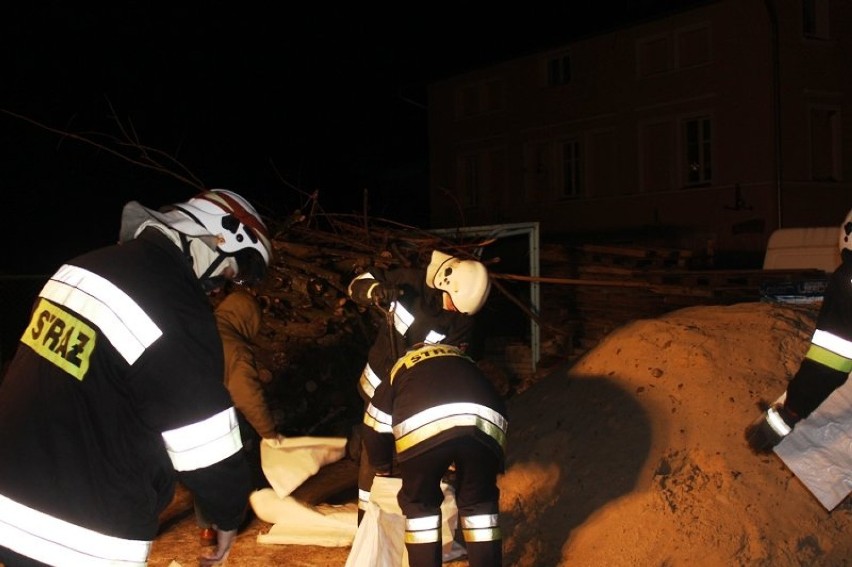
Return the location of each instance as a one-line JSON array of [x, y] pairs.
[[378, 420], [833, 343], [434, 337], [127, 327], [825, 357], [363, 499], [204, 443], [777, 423], [423, 530], [57, 542], [431, 422], [402, 318], [369, 381], [361, 276], [484, 527]]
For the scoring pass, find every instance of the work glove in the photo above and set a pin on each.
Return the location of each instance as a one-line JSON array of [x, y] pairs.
[[224, 541], [383, 294], [769, 429], [276, 442]]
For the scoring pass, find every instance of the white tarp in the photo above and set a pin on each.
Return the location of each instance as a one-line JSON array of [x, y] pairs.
[[819, 449]]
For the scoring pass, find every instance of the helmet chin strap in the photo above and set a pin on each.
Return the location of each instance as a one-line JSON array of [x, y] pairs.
[[198, 254]]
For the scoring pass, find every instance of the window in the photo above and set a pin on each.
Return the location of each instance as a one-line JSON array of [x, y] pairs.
[[693, 47], [654, 56], [600, 178], [480, 98], [571, 179], [815, 19], [697, 139], [825, 143], [559, 70], [537, 169]]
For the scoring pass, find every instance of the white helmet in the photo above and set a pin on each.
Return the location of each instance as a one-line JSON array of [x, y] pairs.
[[466, 281], [846, 233], [224, 219]]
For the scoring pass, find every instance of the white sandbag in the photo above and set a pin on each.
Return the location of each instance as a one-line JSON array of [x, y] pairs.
[[297, 459], [380, 539], [298, 524], [819, 449]]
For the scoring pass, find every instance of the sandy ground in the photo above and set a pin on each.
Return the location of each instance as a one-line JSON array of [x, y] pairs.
[[634, 456]]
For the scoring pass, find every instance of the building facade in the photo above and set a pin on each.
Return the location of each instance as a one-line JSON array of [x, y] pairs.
[[713, 125]]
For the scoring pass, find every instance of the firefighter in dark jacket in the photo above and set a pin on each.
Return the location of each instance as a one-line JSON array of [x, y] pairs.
[[439, 409], [827, 363], [116, 391], [433, 306]]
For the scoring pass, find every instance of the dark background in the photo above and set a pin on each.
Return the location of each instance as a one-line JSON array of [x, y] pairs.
[[273, 100]]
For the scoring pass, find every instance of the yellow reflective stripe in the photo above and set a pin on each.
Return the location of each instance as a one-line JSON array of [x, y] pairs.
[[125, 325], [369, 381], [433, 421], [423, 530], [54, 541], [482, 534], [378, 420], [823, 356], [427, 352], [204, 443], [402, 318], [360, 276]]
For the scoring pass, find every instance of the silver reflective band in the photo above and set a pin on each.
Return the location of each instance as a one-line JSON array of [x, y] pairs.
[[204, 443], [434, 337], [127, 327], [484, 527], [57, 542], [833, 343], [423, 530], [402, 318], [369, 381], [378, 420], [777, 423], [363, 499], [447, 410]]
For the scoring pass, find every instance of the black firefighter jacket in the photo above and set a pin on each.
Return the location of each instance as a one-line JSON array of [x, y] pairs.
[[115, 387]]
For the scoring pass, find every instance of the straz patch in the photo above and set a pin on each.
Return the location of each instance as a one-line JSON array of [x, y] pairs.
[[61, 338]]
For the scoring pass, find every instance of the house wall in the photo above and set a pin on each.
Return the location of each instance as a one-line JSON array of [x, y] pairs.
[[498, 134]]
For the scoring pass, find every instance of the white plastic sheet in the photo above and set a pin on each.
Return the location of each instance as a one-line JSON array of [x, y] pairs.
[[819, 449], [299, 524]]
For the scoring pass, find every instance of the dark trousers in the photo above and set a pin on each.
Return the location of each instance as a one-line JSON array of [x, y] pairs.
[[477, 496]]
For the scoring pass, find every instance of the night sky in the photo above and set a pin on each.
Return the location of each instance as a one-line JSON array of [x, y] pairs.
[[273, 100]]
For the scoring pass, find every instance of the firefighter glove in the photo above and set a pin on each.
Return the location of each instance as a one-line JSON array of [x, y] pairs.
[[383, 294]]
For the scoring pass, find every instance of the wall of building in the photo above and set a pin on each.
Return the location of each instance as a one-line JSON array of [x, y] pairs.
[[503, 141]]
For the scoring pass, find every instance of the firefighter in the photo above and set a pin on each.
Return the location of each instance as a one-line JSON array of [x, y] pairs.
[[435, 306], [115, 391], [438, 409], [827, 362]]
